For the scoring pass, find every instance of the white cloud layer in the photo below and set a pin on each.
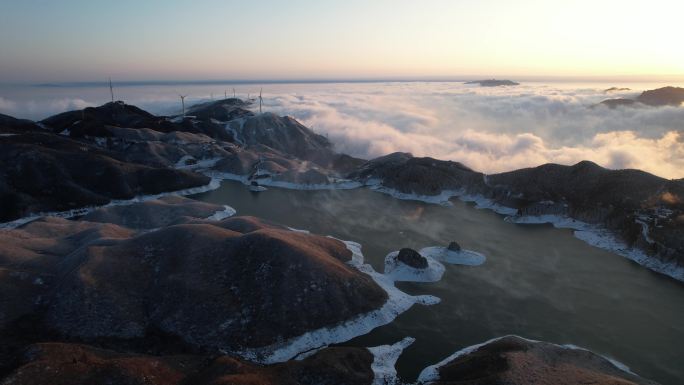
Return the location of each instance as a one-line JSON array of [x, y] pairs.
[[488, 129], [493, 129]]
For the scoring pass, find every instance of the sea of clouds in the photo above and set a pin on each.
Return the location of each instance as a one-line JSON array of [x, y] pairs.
[[488, 129]]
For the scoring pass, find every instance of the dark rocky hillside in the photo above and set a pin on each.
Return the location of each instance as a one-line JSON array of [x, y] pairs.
[[422, 176], [117, 151], [513, 360], [193, 286], [249, 284], [74, 364], [40, 171]]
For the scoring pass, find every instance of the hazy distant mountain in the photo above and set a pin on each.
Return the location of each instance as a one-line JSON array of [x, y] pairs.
[[620, 102], [616, 89], [666, 96], [493, 83]]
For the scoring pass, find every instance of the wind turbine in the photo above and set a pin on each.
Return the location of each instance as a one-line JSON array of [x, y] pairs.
[[233, 93], [182, 97], [260, 99], [111, 89]]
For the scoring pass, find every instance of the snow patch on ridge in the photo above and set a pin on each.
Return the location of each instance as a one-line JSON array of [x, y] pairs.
[[212, 185], [298, 230], [384, 359], [397, 303], [199, 164], [222, 214]]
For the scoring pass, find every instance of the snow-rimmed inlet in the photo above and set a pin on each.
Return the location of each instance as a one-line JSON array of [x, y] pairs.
[[397, 303], [384, 359], [594, 235], [603, 238]]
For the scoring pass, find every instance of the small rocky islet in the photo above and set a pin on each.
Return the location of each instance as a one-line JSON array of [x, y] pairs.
[[129, 282]]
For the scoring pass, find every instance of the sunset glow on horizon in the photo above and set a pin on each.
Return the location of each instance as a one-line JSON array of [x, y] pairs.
[[84, 40]]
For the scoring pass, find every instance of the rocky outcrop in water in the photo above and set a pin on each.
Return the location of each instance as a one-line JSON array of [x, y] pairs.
[[516, 361], [454, 246], [412, 258]]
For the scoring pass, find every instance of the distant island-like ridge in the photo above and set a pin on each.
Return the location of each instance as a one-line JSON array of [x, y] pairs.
[[493, 83]]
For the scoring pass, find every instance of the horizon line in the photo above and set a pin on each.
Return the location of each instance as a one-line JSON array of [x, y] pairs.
[[395, 79]]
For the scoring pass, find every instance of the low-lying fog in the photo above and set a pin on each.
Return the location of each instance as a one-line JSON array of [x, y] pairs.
[[490, 129]]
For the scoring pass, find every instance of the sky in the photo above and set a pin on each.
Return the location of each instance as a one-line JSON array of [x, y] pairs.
[[68, 40]]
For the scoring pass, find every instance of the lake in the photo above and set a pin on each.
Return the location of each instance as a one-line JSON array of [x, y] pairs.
[[537, 282]]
